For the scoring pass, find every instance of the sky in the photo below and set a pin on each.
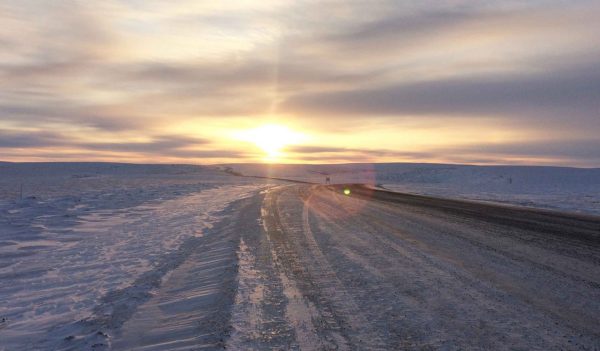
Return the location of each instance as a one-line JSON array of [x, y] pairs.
[[479, 82]]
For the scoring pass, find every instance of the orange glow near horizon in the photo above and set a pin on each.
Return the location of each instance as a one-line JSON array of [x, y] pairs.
[[282, 82], [271, 139]]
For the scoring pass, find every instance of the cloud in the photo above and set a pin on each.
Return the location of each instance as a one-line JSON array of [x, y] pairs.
[[579, 152], [146, 72], [161, 144], [582, 149], [311, 152], [308, 149], [402, 28], [211, 154], [574, 92], [40, 146], [14, 139]]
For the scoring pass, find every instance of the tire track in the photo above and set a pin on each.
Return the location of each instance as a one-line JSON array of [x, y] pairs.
[[340, 322]]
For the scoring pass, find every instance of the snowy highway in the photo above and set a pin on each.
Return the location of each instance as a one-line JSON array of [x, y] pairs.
[[298, 267], [378, 270]]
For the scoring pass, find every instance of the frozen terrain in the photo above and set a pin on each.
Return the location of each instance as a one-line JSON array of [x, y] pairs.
[[134, 257], [560, 188], [92, 241]]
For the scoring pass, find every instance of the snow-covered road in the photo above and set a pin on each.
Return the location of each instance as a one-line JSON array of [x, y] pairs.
[[306, 267], [377, 270]]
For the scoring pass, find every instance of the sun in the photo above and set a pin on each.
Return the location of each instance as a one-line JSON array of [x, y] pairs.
[[271, 138]]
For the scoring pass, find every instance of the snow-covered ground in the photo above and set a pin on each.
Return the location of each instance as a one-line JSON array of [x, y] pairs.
[[124, 257], [89, 238], [560, 188], [168, 257]]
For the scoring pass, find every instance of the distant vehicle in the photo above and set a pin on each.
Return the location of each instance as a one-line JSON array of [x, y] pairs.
[[327, 180]]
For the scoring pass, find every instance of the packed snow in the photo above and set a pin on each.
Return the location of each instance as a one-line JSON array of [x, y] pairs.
[[559, 188], [81, 233]]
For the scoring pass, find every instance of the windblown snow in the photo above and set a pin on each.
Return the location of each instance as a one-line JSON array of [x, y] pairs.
[[91, 241]]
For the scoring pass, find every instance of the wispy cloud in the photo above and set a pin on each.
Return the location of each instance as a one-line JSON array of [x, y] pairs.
[[373, 81], [574, 92]]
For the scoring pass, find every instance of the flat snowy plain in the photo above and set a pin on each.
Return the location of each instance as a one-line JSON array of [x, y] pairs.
[[159, 257]]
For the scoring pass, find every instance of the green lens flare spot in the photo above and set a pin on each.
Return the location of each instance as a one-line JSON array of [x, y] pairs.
[[346, 191]]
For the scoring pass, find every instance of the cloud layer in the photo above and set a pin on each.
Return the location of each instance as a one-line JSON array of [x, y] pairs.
[[464, 81]]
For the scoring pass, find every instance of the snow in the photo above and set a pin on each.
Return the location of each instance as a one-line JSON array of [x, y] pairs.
[[125, 257], [86, 235], [559, 188]]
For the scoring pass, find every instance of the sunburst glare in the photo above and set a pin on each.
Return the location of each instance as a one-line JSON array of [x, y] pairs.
[[271, 138]]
